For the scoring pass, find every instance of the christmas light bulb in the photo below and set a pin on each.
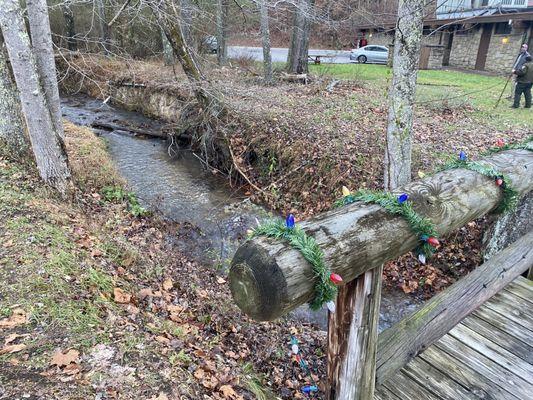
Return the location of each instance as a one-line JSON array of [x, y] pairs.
[[335, 278], [345, 191], [422, 258], [403, 198], [462, 156], [331, 306], [290, 221]]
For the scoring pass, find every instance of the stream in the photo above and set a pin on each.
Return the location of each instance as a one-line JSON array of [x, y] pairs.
[[213, 217]]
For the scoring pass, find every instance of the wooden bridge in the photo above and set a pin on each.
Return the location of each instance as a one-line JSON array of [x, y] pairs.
[[472, 341], [489, 355]]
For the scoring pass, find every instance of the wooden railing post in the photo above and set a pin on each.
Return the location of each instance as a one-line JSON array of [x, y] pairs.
[[352, 338]]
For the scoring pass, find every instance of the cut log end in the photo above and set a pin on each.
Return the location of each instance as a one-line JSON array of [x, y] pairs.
[[257, 283]]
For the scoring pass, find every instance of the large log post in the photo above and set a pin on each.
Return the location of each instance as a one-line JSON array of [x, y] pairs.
[[404, 341], [352, 338], [268, 278]]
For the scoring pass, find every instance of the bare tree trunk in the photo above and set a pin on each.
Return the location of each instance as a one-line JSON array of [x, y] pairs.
[[49, 154], [222, 31], [169, 20], [299, 46], [353, 335], [104, 28], [70, 26], [265, 35], [11, 126], [41, 39], [168, 53], [402, 93]]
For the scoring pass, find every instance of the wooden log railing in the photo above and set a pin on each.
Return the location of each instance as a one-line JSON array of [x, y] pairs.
[[268, 278], [404, 341]]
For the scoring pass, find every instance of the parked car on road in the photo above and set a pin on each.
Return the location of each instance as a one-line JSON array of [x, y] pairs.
[[370, 54]]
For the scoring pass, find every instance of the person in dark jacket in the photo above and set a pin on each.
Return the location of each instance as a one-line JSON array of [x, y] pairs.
[[524, 81]]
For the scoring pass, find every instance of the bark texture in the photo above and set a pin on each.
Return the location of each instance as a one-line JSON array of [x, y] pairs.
[[299, 45], [268, 278], [168, 53], [265, 37], [49, 154], [104, 27], [509, 227], [70, 26], [11, 125], [222, 31], [352, 338], [402, 92], [412, 335], [41, 39]]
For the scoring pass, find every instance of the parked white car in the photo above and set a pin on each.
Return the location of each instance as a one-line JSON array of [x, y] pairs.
[[371, 54]]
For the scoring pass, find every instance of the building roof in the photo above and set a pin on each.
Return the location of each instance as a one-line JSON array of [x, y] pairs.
[[489, 16]]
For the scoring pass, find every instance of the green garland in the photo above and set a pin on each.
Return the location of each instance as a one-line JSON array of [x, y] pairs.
[[421, 226], [510, 196], [325, 289]]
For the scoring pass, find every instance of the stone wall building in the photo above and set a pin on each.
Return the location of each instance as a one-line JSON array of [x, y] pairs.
[[486, 42]]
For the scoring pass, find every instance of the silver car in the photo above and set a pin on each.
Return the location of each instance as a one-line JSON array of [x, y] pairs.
[[371, 54]]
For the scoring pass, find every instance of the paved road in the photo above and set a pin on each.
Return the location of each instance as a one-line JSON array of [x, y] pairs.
[[280, 54]]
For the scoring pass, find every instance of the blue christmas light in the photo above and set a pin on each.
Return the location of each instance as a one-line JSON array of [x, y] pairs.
[[290, 221], [403, 198], [308, 389], [424, 238], [462, 156]]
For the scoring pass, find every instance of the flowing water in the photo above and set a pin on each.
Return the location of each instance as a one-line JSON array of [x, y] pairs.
[[213, 217]]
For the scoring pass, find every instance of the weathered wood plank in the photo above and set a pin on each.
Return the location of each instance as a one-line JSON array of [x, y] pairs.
[[434, 380], [406, 388], [402, 342], [504, 324], [513, 300], [466, 376], [268, 278], [353, 335], [493, 351], [383, 393], [525, 283], [512, 311], [519, 291], [501, 338], [486, 367]]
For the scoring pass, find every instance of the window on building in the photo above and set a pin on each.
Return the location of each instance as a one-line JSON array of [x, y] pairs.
[[502, 28]]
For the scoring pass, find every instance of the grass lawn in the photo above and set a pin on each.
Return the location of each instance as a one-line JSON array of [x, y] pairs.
[[438, 87]]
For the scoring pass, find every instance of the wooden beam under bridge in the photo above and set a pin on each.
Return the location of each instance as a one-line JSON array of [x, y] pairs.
[[268, 278]]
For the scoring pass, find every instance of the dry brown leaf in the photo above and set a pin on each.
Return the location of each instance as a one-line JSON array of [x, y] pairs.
[[199, 374], [144, 293], [17, 318], [72, 369], [121, 296], [13, 348], [11, 338], [228, 392], [221, 281], [162, 339], [168, 284], [62, 359]]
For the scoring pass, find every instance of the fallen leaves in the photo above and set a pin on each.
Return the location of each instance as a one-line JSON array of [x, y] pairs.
[[13, 348], [121, 296], [61, 359], [168, 284], [17, 318]]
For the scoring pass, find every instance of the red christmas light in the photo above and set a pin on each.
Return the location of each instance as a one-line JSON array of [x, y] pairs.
[[500, 143], [499, 181], [335, 278], [433, 241]]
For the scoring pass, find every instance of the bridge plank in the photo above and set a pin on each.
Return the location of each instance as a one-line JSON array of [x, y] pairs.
[[493, 351], [486, 367], [520, 291], [385, 394], [505, 324], [407, 388], [464, 375], [511, 311], [431, 378], [503, 339]]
